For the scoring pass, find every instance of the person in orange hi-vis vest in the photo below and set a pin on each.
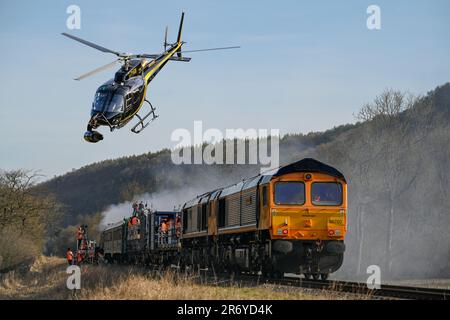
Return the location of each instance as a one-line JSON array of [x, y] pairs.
[[80, 233], [164, 226], [178, 226], [164, 229], [69, 255], [79, 257]]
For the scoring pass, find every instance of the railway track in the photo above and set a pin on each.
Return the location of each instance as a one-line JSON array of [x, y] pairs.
[[386, 291], [391, 291]]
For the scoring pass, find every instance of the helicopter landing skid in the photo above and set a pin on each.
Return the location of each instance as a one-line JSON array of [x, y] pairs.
[[141, 120]]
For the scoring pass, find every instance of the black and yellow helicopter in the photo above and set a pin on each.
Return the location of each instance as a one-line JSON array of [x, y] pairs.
[[118, 100]]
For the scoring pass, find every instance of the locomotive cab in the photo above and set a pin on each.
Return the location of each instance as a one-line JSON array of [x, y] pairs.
[[308, 221], [308, 209]]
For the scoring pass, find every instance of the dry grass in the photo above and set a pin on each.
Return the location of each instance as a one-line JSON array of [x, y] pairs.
[[47, 280]]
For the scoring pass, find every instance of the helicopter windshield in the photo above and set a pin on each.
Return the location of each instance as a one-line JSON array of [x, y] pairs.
[[108, 100]]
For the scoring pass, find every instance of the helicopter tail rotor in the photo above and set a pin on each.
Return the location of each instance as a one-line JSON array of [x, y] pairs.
[[165, 39]]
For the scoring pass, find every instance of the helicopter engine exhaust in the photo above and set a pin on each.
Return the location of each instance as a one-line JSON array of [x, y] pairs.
[[93, 136]]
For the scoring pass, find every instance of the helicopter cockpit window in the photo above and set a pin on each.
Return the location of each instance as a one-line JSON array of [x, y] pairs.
[[116, 103], [100, 100], [108, 101]]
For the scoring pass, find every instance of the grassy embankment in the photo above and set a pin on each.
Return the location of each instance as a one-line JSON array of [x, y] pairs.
[[47, 280]]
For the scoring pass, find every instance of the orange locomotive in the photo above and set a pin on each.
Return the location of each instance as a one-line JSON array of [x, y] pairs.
[[289, 220]]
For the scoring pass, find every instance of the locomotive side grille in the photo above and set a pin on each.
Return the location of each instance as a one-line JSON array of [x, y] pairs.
[[194, 214], [194, 219], [194, 226], [232, 209], [248, 206]]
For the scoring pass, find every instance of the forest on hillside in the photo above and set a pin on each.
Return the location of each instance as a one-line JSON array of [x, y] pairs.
[[395, 158]]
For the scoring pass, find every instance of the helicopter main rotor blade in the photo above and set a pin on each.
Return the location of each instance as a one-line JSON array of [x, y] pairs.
[[211, 49], [154, 56], [92, 45], [102, 68]]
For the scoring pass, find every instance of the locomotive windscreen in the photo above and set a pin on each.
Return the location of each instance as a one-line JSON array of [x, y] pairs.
[[290, 192], [326, 193]]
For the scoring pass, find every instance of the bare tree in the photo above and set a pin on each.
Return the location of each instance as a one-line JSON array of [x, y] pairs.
[[391, 123], [387, 106], [25, 216], [19, 202]]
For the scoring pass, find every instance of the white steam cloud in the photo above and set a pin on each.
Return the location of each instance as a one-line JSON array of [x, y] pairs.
[[163, 201]]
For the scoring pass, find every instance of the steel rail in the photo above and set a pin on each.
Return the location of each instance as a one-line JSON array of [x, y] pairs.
[[392, 291]]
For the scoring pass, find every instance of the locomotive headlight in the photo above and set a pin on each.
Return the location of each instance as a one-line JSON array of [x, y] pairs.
[[334, 233]]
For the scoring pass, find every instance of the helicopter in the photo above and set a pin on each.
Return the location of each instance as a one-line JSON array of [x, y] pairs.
[[119, 100]]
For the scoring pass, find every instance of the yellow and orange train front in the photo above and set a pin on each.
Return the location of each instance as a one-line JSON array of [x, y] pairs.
[[315, 207]]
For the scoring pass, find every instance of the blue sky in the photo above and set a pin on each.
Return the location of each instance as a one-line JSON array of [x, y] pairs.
[[303, 66]]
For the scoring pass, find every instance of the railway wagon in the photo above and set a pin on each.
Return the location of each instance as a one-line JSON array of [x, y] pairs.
[[111, 242], [290, 220], [140, 240]]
